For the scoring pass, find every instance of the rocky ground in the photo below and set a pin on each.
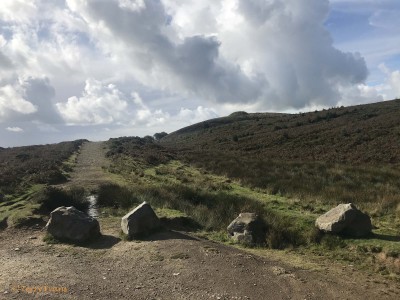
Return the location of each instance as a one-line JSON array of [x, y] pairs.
[[167, 265]]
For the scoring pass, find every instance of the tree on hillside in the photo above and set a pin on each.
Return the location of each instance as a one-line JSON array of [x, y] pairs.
[[159, 135]]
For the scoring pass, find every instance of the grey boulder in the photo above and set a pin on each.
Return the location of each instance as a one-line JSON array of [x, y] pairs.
[[140, 222], [68, 223], [248, 229], [345, 219]]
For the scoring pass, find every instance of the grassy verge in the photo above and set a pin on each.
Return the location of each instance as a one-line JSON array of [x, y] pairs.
[[26, 204], [215, 200], [19, 209]]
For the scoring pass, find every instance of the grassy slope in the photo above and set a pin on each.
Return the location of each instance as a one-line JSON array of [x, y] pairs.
[[359, 134], [339, 155], [214, 200], [313, 160], [25, 171]]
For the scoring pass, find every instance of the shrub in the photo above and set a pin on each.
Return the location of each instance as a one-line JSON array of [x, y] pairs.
[[331, 242], [51, 198], [113, 195]]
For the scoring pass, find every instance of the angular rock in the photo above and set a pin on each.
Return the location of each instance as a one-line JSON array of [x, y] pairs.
[[140, 222], [68, 223], [345, 219], [247, 228]]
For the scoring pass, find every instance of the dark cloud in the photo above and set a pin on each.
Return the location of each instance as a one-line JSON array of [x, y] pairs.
[[299, 58], [293, 61], [194, 63], [40, 93]]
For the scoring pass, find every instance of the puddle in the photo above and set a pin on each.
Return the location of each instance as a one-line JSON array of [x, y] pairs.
[[93, 210]]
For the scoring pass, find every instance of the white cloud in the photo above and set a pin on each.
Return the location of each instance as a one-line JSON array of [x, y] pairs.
[[394, 82], [12, 102], [27, 99], [282, 56], [170, 61], [99, 104], [17, 10], [197, 115], [390, 89], [15, 129]]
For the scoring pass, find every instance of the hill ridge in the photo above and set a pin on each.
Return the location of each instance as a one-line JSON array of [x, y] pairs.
[[355, 134]]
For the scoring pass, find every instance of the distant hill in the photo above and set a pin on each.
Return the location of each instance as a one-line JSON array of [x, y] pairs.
[[358, 134]]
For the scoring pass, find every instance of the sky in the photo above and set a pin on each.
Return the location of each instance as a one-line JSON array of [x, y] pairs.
[[96, 69]]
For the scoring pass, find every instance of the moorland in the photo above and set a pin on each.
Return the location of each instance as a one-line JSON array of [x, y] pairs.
[[288, 168]]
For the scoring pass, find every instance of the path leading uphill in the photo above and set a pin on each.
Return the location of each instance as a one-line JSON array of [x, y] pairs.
[[168, 265], [89, 170]]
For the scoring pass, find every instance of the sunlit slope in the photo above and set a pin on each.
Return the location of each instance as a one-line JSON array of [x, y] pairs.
[[358, 134]]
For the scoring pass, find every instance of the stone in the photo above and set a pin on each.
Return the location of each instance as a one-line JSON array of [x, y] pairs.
[[68, 223], [247, 228], [345, 219], [140, 222]]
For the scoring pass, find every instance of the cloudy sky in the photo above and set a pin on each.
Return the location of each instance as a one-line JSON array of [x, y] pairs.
[[96, 69]]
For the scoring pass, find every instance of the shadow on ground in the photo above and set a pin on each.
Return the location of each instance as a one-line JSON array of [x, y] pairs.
[[103, 242], [169, 235], [386, 237]]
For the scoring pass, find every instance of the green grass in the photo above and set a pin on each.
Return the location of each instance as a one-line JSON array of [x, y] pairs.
[[19, 208], [178, 188], [25, 172], [50, 198], [169, 213]]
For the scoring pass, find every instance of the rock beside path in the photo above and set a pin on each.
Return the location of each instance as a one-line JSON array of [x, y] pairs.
[[247, 228], [345, 219], [140, 222], [68, 223]]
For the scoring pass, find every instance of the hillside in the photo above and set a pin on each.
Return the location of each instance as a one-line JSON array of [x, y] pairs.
[[358, 134], [188, 259]]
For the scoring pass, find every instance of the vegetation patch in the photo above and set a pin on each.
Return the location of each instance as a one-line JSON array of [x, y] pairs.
[[116, 196], [51, 198], [212, 188], [22, 167]]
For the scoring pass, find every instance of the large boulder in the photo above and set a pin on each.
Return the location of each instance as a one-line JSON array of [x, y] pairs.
[[68, 223], [247, 228], [140, 222], [345, 219]]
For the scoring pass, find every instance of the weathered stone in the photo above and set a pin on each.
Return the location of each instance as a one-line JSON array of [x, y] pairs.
[[345, 219], [68, 223], [140, 222], [247, 228]]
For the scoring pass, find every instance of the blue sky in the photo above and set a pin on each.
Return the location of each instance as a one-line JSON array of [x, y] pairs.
[[97, 69], [371, 28]]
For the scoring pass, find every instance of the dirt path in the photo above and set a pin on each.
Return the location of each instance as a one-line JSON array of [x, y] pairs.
[[169, 265], [88, 171]]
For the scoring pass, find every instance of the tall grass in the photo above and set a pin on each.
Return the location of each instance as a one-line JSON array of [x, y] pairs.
[[376, 190], [113, 195], [51, 198], [213, 210]]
